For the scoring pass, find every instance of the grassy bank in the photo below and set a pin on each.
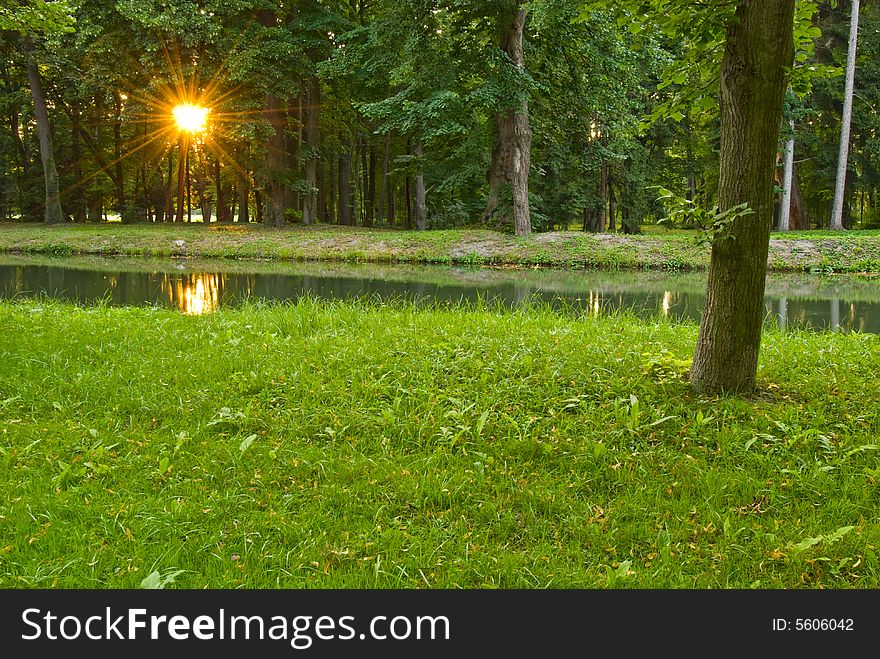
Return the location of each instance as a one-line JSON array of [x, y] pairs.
[[797, 252], [356, 445]]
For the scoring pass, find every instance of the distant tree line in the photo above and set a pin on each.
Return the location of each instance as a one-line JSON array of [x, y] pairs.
[[418, 114]]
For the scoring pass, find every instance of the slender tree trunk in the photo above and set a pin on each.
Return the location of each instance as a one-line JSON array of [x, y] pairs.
[[612, 208], [293, 142], [79, 206], [691, 165], [258, 205], [383, 192], [603, 198], [797, 214], [244, 197], [846, 121], [117, 156], [189, 204], [371, 186], [787, 182], [408, 193], [346, 206], [420, 192], [54, 214], [759, 49], [511, 158], [183, 149], [205, 205], [313, 137], [322, 193]]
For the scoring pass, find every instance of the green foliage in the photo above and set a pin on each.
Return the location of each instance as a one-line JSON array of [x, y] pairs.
[[712, 225], [37, 17]]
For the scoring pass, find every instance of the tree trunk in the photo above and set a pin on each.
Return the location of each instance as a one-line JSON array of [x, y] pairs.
[[117, 156], [371, 186], [258, 205], [511, 158], [758, 50], [79, 206], [603, 198], [408, 194], [787, 182], [346, 207], [691, 163], [846, 121], [383, 192], [797, 214], [276, 165], [322, 193], [244, 198], [310, 202], [183, 151], [54, 214], [202, 178], [420, 192], [612, 208]]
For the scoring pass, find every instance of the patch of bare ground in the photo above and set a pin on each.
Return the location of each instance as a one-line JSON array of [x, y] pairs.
[[483, 246], [796, 251]]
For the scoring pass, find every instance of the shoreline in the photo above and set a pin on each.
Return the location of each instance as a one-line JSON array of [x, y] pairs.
[[811, 252]]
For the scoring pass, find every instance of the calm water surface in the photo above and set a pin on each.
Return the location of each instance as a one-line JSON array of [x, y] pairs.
[[197, 287]]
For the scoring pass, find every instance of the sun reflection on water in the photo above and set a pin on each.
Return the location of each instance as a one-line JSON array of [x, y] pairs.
[[196, 294]]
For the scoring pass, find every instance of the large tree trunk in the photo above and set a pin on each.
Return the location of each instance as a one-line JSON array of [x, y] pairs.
[[512, 156], [310, 202], [758, 50], [54, 214], [846, 121], [276, 165], [420, 192]]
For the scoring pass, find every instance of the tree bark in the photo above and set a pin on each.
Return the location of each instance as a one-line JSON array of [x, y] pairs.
[[383, 192], [603, 198], [511, 158], [758, 50], [79, 206], [846, 121], [787, 182], [244, 193], [797, 215], [346, 207], [182, 164], [310, 201], [276, 165], [119, 179], [371, 186], [53, 214], [420, 192]]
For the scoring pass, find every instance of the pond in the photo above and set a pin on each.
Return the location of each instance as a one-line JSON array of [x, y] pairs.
[[838, 303]]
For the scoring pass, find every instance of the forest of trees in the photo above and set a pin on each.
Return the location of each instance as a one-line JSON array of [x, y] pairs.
[[421, 114]]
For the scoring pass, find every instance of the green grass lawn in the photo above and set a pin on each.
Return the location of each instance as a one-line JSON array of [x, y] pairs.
[[360, 445], [657, 249]]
